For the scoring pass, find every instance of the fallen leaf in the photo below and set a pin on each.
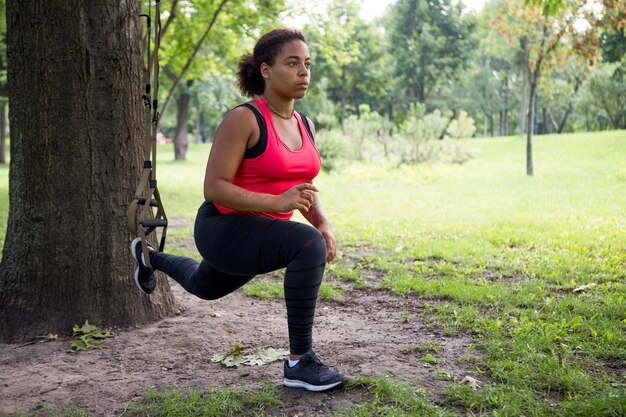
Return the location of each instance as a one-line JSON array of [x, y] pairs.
[[472, 382], [584, 287], [238, 356]]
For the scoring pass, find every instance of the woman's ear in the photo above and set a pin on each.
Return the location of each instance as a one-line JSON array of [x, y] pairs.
[[265, 70]]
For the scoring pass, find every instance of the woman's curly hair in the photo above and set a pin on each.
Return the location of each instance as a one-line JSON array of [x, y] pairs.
[[249, 78]]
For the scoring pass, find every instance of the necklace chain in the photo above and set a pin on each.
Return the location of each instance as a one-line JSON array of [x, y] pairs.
[[276, 112]]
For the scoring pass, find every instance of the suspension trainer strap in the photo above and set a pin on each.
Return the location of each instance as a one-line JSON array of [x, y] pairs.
[[143, 221]]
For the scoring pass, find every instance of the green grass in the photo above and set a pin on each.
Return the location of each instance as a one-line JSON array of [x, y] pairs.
[[271, 289], [531, 268], [216, 402]]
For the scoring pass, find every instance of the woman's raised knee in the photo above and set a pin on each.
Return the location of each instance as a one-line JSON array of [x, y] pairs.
[[313, 245]]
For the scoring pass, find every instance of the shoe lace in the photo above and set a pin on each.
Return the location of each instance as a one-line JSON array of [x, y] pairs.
[[317, 365]]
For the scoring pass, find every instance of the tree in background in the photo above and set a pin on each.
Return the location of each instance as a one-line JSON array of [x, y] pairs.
[[603, 97], [430, 42], [213, 97], [75, 85], [483, 91], [558, 90], [334, 47], [496, 66], [193, 47], [545, 26]]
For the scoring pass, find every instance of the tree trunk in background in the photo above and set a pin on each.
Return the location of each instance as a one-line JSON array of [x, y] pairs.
[[200, 127], [570, 105], [76, 119], [525, 75], [181, 137], [3, 132], [504, 113], [343, 97], [530, 170], [485, 124], [523, 113]]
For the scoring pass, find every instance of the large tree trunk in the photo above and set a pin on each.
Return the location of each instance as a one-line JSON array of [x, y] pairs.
[[3, 131], [76, 121]]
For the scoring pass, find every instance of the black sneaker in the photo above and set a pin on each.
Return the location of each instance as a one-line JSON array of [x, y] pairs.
[[145, 278], [311, 374]]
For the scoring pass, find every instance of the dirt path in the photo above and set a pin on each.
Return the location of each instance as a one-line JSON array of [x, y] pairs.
[[364, 334]]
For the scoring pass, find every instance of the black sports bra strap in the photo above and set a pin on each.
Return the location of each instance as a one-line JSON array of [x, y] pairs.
[[261, 145], [305, 121]]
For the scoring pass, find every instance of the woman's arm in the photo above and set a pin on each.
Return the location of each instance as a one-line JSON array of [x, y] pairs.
[[316, 217], [237, 132]]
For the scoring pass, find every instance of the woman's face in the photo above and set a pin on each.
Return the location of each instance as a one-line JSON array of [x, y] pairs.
[[290, 74]]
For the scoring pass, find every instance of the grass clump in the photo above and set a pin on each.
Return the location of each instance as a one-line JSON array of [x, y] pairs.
[[267, 289], [388, 398], [216, 402]]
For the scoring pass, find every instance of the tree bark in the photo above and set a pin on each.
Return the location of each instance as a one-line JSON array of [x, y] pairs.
[[76, 119], [3, 132]]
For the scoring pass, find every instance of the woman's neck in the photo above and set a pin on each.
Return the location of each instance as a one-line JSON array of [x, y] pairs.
[[281, 107]]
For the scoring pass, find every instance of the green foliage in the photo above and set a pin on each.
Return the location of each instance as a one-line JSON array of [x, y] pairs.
[[319, 107], [462, 127], [364, 128], [430, 358], [602, 97], [88, 337], [330, 292], [431, 43], [331, 144], [423, 132]]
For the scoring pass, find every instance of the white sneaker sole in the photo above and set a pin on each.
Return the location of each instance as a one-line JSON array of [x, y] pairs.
[[295, 383], [132, 252], [132, 248]]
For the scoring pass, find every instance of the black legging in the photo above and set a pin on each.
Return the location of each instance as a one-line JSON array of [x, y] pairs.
[[235, 248]]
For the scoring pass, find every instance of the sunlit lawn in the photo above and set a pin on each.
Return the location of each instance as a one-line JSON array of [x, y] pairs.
[[531, 267]]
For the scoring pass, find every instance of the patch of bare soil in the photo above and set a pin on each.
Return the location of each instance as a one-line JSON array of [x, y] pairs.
[[364, 334]]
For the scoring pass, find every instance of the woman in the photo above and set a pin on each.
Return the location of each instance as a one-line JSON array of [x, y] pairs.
[[260, 170]]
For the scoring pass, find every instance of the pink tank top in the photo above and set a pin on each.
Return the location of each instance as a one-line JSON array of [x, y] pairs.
[[278, 168]]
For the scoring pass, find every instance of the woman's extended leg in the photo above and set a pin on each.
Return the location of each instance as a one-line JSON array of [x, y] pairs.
[[235, 248]]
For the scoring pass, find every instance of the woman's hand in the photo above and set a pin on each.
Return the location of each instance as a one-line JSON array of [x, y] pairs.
[[298, 197], [331, 244]]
